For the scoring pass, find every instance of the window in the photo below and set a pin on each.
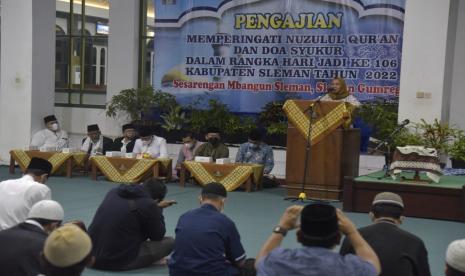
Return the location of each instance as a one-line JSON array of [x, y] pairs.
[[146, 42], [81, 53]]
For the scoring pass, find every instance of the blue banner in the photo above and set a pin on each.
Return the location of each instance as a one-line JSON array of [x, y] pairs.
[[247, 53]]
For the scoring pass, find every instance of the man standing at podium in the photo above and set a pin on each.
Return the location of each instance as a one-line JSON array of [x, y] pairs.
[[51, 136]]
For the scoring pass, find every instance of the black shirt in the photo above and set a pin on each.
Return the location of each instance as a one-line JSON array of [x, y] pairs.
[[20, 248], [400, 252], [127, 217], [118, 144]]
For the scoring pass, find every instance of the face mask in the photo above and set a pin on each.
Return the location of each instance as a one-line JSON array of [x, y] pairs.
[[189, 145], [214, 141], [54, 127]]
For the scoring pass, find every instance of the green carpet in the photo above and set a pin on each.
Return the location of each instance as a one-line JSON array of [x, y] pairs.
[[255, 215], [446, 181]]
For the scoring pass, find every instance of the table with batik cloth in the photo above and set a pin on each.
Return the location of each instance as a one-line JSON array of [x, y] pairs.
[[417, 159], [129, 170], [58, 160], [231, 176]]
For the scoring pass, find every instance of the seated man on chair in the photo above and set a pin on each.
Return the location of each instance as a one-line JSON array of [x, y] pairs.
[[256, 152], [126, 143], [186, 152], [214, 148], [51, 136], [95, 143], [150, 145]]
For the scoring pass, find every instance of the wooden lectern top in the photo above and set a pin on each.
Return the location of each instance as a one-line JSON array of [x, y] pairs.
[[328, 117]]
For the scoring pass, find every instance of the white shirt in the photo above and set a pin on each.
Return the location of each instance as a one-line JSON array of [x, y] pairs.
[[125, 143], [48, 138], [17, 197], [156, 149]]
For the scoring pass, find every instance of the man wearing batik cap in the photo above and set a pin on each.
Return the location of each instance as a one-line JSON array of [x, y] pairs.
[[319, 232], [126, 142], [52, 136], [67, 251], [207, 241], [455, 258], [18, 195], [22, 244], [400, 252], [95, 143]]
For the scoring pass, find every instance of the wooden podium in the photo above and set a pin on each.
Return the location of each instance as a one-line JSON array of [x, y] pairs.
[[334, 152]]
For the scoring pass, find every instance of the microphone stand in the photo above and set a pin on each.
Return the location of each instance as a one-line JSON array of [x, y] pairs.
[[308, 150]]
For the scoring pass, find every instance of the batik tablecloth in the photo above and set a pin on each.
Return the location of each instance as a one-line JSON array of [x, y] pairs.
[[232, 176]]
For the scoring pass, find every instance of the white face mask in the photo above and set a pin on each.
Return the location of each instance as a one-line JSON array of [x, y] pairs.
[[54, 127]]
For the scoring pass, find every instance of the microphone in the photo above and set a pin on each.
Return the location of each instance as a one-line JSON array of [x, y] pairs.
[[394, 132], [330, 89]]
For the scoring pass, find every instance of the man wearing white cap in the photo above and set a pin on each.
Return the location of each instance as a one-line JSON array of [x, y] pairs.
[[455, 258], [18, 195], [67, 251], [400, 252], [21, 245]]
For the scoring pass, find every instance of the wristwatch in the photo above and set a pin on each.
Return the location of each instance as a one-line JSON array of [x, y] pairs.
[[280, 230]]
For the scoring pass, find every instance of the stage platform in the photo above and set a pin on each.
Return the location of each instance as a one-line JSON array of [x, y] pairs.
[[443, 200]]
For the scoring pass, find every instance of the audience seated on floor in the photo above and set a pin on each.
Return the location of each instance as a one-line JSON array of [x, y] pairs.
[[95, 143], [319, 232], [17, 196], [67, 251], [128, 229], [52, 137], [214, 148], [22, 244], [150, 145], [455, 258], [125, 144], [207, 241], [399, 252]]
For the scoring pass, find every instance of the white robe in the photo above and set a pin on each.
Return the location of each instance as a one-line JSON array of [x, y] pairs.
[[156, 149], [50, 139], [17, 197]]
